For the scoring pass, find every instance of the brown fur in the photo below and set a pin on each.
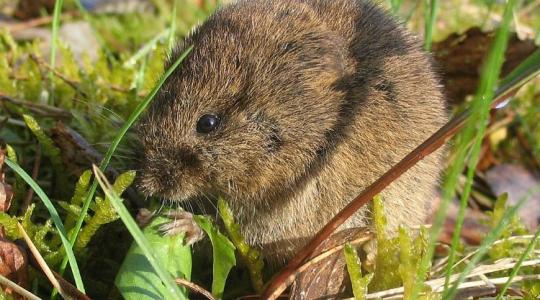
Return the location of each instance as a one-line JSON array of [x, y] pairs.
[[318, 98]]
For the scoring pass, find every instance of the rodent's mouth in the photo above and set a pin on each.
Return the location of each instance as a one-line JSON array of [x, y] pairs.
[[151, 187]]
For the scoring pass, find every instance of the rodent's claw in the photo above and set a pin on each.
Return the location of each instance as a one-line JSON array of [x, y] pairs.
[[183, 223]]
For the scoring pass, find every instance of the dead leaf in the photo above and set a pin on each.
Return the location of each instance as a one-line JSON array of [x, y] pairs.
[[473, 230], [518, 182], [328, 277], [6, 192], [460, 58], [28, 9], [76, 153], [13, 263]]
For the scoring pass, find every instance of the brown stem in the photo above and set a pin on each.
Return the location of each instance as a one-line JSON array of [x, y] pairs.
[[12, 28], [439, 138], [196, 288], [37, 108], [75, 83]]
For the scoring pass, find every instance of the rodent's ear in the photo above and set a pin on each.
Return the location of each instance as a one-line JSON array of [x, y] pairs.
[[176, 51]]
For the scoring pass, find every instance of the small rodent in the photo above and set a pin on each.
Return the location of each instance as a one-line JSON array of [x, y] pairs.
[[289, 109]]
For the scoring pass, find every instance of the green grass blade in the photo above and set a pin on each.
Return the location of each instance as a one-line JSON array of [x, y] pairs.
[[55, 218], [395, 5], [431, 7], [528, 69], [172, 28], [112, 148], [54, 43], [516, 268], [480, 107], [172, 290], [146, 48], [481, 117]]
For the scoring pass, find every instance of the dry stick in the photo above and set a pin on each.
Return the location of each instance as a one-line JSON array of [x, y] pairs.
[[12, 28], [41, 109], [194, 287], [398, 292], [75, 83], [439, 138], [17, 289]]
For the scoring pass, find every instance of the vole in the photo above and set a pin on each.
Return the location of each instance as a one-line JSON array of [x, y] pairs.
[[289, 109]]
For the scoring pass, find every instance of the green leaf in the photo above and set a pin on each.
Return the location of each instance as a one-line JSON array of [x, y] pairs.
[[136, 278], [249, 255], [168, 286], [223, 255], [354, 267]]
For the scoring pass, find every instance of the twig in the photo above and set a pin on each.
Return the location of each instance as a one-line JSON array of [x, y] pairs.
[[12, 28], [71, 82], [17, 288], [35, 171], [41, 109], [75, 83], [196, 288], [463, 286], [439, 138]]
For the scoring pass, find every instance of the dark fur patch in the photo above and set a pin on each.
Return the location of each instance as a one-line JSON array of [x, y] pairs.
[[289, 47], [386, 86], [187, 158], [275, 141], [270, 127]]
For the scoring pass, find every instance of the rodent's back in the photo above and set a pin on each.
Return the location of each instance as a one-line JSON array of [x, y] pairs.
[[391, 103]]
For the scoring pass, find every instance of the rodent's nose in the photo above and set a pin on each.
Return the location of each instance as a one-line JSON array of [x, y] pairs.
[[187, 158]]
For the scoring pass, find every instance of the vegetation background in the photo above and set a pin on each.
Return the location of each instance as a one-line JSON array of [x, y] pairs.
[[73, 74]]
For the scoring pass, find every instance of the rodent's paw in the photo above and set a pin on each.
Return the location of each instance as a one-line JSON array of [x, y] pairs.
[[144, 216], [182, 222]]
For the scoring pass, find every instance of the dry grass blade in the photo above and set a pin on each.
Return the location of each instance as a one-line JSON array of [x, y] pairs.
[[196, 288], [44, 267], [437, 285], [17, 288]]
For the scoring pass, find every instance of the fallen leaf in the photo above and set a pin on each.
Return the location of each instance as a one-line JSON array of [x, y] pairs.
[[518, 182], [6, 192], [460, 58], [473, 230], [327, 278], [28, 9], [13, 263]]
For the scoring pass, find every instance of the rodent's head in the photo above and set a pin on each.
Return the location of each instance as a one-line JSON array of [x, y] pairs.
[[250, 108]]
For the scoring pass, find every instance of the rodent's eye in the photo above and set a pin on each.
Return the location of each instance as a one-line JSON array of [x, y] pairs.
[[207, 123]]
